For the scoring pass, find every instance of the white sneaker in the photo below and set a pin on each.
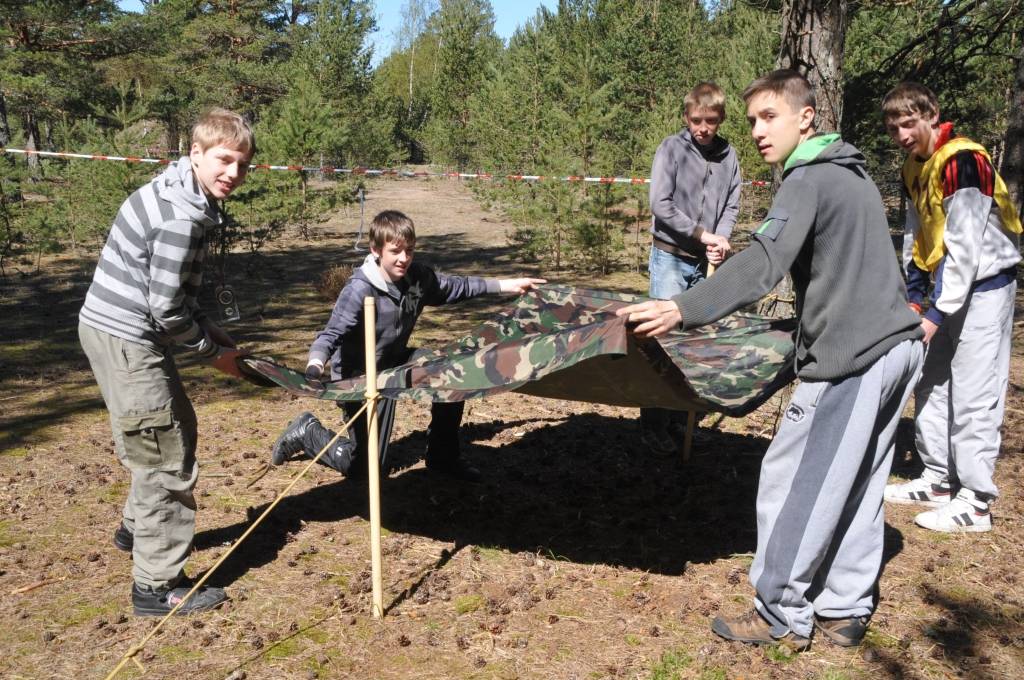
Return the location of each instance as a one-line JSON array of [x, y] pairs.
[[920, 491], [964, 514]]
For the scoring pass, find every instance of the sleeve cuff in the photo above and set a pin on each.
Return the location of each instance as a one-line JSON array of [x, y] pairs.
[[935, 316], [492, 285], [203, 346]]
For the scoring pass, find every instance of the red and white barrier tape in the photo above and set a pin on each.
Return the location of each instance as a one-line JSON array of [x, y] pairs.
[[368, 171]]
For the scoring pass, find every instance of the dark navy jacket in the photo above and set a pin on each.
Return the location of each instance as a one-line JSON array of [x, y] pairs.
[[398, 305]]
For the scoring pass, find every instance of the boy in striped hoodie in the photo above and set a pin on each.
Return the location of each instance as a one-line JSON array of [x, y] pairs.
[[963, 237], [142, 302]]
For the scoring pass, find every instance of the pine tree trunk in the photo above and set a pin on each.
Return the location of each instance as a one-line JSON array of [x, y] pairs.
[[813, 34], [173, 135], [5, 129], [32, 144], [1013, 158], [412, 58]]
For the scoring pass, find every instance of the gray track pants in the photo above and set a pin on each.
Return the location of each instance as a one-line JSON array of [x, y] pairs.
[[154, 428], [962, 392], [819, 500]]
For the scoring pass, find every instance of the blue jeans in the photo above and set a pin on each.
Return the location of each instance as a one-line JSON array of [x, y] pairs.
[[672, 274]]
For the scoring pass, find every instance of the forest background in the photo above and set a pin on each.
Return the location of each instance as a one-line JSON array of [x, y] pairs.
[[589, 88]]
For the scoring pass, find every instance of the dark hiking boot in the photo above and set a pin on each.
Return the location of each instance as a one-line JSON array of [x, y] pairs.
[[338, 457], [148, 601], [456, 469], [292, 440], [655, 434], [847, 632], [752, 628], [123, 539]]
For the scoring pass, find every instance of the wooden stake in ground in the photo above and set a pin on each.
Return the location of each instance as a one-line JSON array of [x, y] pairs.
[[373, 452]]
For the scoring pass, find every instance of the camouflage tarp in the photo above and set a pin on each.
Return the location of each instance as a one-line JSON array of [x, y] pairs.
[[566, 343]]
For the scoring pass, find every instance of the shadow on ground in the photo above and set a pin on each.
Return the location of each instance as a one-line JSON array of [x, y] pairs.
[[580, 488]]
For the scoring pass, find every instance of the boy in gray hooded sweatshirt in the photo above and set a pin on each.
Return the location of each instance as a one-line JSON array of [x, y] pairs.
[[695, 200], [401, 289], [141, 303], [858, 352]]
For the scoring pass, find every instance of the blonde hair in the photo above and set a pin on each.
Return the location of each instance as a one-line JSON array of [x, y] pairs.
[[391, 226], [706, 95], [785, 83], [909, 98], [220, 127]]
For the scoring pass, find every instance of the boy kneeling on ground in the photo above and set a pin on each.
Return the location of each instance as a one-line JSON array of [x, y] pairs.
[[401, 289]]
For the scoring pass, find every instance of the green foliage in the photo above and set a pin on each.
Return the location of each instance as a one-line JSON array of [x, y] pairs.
[[464, 604], [589, 88], [671, 665], [468, 44], [963, 51]]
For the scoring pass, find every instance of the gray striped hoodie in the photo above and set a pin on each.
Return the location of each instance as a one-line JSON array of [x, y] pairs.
[[148, 277]]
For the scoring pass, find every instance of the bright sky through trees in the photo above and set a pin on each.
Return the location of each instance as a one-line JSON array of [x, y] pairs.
[[508, 16]]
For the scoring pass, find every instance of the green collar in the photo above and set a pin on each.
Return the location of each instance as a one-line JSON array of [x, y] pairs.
[[809, 149]]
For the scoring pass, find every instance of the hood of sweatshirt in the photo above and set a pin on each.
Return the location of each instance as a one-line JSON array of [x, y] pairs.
[[178, 186], [824, 148], [715, 152], [370, 271]]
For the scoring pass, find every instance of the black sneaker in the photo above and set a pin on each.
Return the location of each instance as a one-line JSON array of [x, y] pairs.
[[158, 602], [843, 632], [456, 469], [124, 539]]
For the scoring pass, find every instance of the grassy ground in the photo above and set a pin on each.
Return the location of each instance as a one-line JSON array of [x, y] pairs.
[[581, 555]]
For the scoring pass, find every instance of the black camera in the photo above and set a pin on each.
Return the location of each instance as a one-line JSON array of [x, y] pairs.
[[227, 304]]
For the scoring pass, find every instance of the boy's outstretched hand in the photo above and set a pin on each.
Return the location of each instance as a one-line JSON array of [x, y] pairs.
[[226, 361], [519, 286], [653, 318]]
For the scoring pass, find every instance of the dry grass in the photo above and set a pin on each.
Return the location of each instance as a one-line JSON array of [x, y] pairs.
[[579, 556]]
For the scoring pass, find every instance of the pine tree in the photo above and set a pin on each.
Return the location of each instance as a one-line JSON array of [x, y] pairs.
[[467, 45]]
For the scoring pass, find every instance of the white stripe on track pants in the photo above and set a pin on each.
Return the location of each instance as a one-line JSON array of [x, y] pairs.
[[961, 396], [819, 502]]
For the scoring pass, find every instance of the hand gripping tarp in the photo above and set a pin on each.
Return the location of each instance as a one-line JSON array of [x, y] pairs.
[[562, 342]]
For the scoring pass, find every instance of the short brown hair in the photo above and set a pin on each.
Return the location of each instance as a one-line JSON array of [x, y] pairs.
[[220, 127], [909, 98], [706, 95], [391, 226], [786, 83]]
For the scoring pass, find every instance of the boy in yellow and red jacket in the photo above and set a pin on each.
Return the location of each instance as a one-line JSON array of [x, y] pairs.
[[962, 236]]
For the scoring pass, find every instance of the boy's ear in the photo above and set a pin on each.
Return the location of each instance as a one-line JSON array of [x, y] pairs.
[[806, 119], [195, 150]]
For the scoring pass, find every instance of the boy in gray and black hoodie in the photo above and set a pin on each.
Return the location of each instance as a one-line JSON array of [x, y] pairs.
[[858, 352], [401, 289]]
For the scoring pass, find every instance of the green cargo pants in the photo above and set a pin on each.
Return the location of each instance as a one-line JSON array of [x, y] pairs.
[[154, 428]]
